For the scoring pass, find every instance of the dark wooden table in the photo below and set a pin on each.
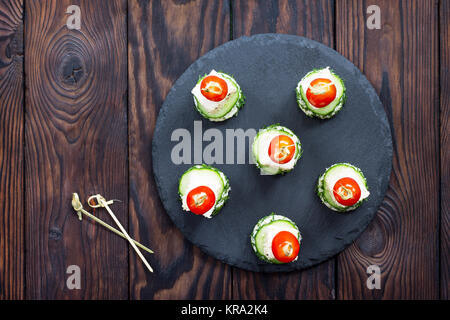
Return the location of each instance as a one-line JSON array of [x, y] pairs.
[[78, 110]]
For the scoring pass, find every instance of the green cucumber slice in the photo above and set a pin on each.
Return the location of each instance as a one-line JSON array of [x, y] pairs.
[[327, 198], [206, 173], [328, 111], [230, 108], [256, 149], [262, 229]]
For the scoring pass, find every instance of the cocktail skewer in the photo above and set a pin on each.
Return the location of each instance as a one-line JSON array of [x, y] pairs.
[[78, 207], [101, 202]]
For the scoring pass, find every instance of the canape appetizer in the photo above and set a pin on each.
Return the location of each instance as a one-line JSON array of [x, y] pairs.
[[217, 96], [203, 190], [276, 239], [321, 93], [342, 187], [276, 149]]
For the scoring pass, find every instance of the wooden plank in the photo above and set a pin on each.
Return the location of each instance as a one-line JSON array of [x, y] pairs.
[[76, 141], [401, 61], [11, 151], [312, 19], [164, 38], [444, 11]]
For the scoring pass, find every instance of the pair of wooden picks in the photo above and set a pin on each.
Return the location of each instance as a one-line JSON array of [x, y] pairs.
[[97, 201]]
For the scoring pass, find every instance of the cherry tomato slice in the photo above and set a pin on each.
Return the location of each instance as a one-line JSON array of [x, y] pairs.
[[200, 200], [347, 191], [281, 149], [321, 92], [285, 246], [214, 88]]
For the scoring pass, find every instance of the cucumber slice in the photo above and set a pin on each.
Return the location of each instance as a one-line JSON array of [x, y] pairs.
[[266, 228], [335, 172], [205, 175], [325, 112], [260, 149], [230, 107]]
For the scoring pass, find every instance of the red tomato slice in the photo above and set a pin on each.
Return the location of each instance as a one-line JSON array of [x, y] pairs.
[[321, 92], [347, 191], [200, 200], [285, 246], [281, 149], [214, 88]]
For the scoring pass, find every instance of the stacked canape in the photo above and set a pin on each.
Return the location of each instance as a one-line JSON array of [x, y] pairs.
[[276, 149], [276, 239], [321, 93], [203, 190], [217, 96], [342, 187]]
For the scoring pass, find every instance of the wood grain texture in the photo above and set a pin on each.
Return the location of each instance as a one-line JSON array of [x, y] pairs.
[[401, 60], [444, 12], [312, 19], [76, 141], [11, 150], [75, 134], [164, 38]]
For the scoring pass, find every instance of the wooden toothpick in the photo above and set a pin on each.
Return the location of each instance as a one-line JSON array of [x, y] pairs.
[[101, 202], [78, 207]]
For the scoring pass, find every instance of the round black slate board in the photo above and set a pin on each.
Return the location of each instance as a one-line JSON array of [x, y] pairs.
[[268, 67]]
